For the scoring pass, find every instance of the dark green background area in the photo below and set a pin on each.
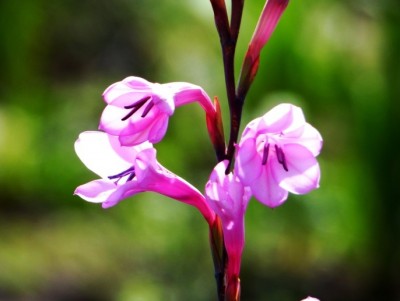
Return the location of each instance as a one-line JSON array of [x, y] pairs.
[[338, 60]]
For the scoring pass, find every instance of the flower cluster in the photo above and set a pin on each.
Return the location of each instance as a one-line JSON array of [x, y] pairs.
[[123, 155], [275, 155]]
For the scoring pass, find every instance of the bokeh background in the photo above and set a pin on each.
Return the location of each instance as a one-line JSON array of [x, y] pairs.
[[338, 60]]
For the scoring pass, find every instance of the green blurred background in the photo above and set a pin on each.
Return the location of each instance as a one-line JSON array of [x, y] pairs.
[[339, 60]]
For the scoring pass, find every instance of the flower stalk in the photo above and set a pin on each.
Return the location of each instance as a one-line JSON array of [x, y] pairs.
[[276, 154], [228, 35], [218, 252]]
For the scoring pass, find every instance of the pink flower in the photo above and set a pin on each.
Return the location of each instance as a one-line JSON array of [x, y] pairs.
[[228, 197], [138, 110], [310, 299], [276, 155], [126, 171]]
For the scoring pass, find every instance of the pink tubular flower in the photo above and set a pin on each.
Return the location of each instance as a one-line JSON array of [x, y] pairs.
[[138, 110], [266, 25], [269, 18], [228, 197], [126, 171], [276, 155]]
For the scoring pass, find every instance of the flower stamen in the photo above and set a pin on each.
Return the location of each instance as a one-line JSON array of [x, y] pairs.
[[135, 107], [130, 172], [281, 157], [147, 109], [265, 154]]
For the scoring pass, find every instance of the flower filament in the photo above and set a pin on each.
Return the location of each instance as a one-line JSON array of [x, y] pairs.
[[280, 155], [130, 172], [137, 105]]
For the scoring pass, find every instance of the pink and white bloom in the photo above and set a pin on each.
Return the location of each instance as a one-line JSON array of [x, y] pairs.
[[228, 197], [310, 299], [276, 155], [126, 171], [138, 110]]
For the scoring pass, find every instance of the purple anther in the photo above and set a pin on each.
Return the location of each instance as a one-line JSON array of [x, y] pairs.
[[265, 154], [281, 157], [135, 107], [147, 109], [130, 172]]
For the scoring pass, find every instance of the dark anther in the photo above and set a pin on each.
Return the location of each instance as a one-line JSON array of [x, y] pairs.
[[265, 154], [281, 157], [147, 109], [135, 107], [131, 176], [130, 172], [140, 102]]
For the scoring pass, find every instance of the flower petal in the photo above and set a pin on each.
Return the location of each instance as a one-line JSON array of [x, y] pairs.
[[163, 98], [137, 83], [227, 195], [248, 162], [101, 153], [111, 120], [151, 176], [229, 198], [177, 188], [307, 136], [158, 129], [137, 129], [153, 132], [189, 93], [128, 91], [311, 139], [97, 191], [265, 188], [106, 192], [303, 170], [251, 128], [122, 192], [281, 118]]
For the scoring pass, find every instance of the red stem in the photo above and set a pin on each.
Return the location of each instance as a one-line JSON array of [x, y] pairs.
[[228, 35]]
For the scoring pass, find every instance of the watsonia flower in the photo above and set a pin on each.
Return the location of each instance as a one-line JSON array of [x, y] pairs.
[[228, 197], [126, 171], [138, 110], [276, 155]]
